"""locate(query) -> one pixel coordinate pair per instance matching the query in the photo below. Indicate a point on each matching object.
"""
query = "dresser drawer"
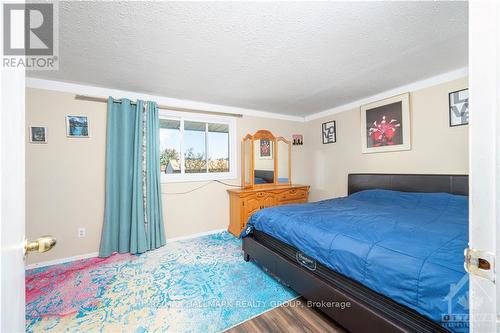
(293, 194)
(291, 202)
(245, 202)
(260, 194)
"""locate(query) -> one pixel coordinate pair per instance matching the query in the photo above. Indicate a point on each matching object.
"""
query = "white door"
(484, 133)
(12, 148)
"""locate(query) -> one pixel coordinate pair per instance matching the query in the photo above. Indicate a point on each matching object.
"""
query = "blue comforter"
(407, 246)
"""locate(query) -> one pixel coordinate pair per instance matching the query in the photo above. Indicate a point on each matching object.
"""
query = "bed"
(392, 249)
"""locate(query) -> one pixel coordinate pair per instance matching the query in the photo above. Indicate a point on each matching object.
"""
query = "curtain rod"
(162, 107)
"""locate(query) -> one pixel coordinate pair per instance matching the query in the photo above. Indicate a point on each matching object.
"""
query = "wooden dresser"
(244, 202)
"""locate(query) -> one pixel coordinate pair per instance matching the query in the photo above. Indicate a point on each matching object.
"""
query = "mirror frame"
(264, 134)
(276, 174)
(247, 137)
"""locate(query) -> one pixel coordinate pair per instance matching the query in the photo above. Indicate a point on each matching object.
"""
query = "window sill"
(199, 177)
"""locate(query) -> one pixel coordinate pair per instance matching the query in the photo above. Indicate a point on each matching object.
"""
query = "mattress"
(406, 246)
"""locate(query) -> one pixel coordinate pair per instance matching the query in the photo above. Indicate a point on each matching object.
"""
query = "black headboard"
(267, 175)
(454, 184)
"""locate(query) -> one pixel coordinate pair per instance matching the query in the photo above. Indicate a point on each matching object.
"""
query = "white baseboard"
(200, 234)
(95, 254)
(62, 260)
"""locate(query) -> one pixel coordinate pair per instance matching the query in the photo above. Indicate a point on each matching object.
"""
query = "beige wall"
(436, 147)
(65, 178)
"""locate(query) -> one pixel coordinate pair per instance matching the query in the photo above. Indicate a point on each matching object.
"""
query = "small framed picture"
(297, 140)
(77, 126)
(329, 130)
(38, 134)
(385, 125)
(459, 107)
(265, 149)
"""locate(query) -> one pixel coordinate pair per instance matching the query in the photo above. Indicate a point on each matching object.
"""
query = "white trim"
(199, 234)
(95, 254)
(99, 91)
(12, 196)
(62, 260)
(484, 160)
(82, 89)
(429, 82)
(197, 177)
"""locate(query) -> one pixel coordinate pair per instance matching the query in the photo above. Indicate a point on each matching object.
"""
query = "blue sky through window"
(218, 145)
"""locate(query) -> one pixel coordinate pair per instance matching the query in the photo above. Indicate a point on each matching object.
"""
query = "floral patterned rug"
(196, 285)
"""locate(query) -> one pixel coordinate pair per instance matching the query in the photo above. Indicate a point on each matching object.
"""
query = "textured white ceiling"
(294, 58)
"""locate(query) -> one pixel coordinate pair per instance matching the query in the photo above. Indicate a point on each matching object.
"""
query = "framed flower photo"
(385, 125)
(77, 126)
(265, 149)
(38, 134)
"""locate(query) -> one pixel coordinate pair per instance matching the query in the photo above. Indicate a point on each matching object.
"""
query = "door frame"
(12, 200)
(12, 194)
(484, 159)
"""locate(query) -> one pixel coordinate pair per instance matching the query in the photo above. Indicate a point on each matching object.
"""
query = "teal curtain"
(133, 219)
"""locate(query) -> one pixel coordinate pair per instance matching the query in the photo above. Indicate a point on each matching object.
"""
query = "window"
(218, 150)
(196, 147)
(170, 145)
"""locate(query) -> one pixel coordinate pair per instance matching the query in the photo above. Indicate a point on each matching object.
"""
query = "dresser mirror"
(266, 160)
(283, 170)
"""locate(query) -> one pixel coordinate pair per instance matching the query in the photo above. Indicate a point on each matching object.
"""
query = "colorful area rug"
(196, 285)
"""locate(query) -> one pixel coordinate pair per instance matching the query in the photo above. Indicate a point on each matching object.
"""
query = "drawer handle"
(293, 191)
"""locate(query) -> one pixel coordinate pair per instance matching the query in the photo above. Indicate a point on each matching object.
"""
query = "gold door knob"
(42, 244)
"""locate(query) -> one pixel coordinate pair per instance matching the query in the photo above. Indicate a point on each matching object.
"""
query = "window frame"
(192, 177)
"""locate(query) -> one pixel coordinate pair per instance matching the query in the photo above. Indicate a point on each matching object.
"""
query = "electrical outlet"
(82, 232)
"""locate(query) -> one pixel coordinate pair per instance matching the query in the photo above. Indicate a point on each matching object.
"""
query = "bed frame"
(369, 311)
